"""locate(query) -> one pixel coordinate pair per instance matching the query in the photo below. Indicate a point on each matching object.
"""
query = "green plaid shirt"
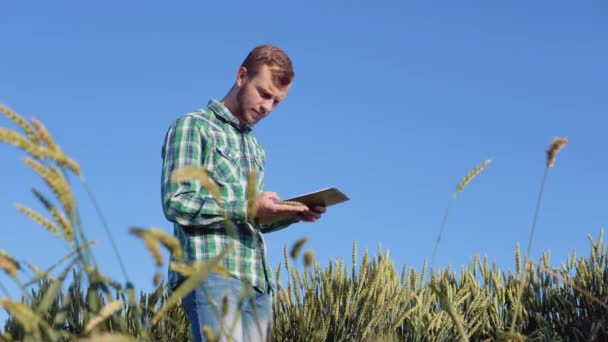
(211, 138)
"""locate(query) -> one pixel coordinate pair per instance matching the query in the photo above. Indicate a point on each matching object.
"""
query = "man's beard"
(240, 108)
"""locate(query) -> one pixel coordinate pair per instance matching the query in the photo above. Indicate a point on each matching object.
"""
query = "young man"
(218, 138)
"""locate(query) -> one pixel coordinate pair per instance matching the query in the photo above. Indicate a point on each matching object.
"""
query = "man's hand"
(312, 214)
(266, 206)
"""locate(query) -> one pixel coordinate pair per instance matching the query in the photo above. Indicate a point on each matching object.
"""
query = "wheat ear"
(11, 137)
(556, 145)
(38, 218)
(21, 122)
(8, 264)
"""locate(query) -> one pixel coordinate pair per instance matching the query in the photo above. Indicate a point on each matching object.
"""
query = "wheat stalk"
(556, 145)
(461, 185)
(188, 270)
(40, 273)
(184, 269)
(106, 228)
(77, 250)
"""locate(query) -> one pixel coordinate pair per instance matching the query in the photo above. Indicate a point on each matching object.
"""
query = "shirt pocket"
(227, 165)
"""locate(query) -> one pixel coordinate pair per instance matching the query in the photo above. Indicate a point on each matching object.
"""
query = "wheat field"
(368, 300)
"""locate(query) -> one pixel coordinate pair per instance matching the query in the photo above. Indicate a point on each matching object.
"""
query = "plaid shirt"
(211, 138)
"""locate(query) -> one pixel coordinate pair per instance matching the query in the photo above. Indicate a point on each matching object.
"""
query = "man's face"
(257, 96)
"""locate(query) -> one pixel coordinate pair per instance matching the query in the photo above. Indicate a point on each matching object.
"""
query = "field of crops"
(368, 300)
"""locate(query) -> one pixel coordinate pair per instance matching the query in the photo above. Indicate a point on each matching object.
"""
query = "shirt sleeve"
(273, 227)
(187, 202)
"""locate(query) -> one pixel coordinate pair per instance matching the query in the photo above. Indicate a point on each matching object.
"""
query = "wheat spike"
(64, 191)
(309, 258)
(13, 138)
(517, 259)
(291, 203)
(56, 182)
(64, 223)
(62, 159)
(252, 192)
(104, 314)
(28, 319)
(469, 177)
(8, 264)
(58, 216)
(38, 218)
(21, 122)
(209, 334)
(153, 248)
(170, 242)
(44, 134)
(286, 258)
(52, 150)
(556, 145)
(295, 250)
(151, 243)
(200, 175)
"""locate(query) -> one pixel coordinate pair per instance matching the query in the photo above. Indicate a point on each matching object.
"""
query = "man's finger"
(320, 209)
(291, 208)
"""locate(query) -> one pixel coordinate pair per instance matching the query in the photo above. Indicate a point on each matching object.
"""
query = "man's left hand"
(312, 214)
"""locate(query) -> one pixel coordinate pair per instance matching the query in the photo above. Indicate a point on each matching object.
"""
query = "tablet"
(326, 197)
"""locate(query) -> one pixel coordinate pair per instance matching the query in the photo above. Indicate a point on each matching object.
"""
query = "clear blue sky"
(393, 103)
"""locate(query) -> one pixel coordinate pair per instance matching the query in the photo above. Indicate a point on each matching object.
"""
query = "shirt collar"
(222, 112)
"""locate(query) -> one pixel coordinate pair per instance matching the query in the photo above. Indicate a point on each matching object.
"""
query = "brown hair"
(281, 67)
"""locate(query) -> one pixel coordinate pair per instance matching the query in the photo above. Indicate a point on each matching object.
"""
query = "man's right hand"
(266, 206)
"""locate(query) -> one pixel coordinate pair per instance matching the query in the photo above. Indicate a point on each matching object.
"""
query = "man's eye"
(264, 94)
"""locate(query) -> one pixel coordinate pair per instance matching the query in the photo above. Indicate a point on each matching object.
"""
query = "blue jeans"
(248, 316)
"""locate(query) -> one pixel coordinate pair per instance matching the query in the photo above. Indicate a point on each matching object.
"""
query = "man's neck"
(229, 101)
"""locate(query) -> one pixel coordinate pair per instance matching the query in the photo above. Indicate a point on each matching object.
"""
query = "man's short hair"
(280, 64)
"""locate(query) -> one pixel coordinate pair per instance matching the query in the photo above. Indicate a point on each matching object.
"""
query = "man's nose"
(266, 106)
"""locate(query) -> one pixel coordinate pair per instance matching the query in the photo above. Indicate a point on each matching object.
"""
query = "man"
(218, 138)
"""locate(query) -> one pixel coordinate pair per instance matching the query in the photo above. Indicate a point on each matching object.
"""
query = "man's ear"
(241, 76)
